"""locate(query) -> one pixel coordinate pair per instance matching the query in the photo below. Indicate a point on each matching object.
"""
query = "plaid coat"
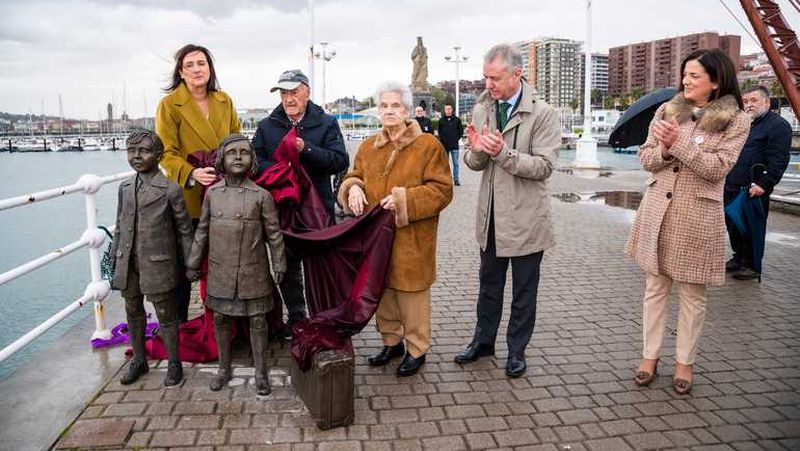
(679, 230)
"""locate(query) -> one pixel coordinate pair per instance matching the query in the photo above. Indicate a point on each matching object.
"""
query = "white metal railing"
(93, 237)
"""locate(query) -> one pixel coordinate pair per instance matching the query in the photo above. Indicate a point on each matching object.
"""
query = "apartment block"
(656, 64)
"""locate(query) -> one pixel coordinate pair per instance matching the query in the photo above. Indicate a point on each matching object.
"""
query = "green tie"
(502, 120)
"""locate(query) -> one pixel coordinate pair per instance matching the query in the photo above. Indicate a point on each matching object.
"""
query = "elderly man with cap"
(322, 154)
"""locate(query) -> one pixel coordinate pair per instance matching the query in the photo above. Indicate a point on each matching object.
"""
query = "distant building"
(250, 117)
(528, 51)
(656, 64)
(467, 102)
(556, 67)
(468, 91)
(756, 69)
(599, 78)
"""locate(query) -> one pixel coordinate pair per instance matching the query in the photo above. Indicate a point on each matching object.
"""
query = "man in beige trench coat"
(513, 140)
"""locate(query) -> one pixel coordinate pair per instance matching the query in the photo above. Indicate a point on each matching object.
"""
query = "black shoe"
(134, 372)
(219, 381)
(410, 365)
(473, 352)
(174, 374)
(732, 265)
(262, 386)
(456, 183)
(516, 366)
(387, 353)
(745, 273)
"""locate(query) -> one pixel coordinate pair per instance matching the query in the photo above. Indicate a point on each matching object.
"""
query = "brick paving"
(577, 393)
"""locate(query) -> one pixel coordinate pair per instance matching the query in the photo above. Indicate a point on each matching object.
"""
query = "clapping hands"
(490, 143)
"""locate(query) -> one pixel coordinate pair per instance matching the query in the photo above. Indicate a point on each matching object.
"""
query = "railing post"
(97, 289)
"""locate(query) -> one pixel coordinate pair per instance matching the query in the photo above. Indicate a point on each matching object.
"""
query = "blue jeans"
(454, 156)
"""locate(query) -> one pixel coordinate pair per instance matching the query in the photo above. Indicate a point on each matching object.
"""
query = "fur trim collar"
(714, 117)
(407, 136)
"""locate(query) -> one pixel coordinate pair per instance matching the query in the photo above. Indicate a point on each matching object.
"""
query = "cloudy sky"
(93, 51)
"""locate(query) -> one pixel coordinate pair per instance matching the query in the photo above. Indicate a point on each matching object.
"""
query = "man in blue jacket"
(760, 167)
(322, 154)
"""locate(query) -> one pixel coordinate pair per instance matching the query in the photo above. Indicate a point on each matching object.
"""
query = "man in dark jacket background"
(424, 123)
(760, 167)
(450, 131)
(322, 154)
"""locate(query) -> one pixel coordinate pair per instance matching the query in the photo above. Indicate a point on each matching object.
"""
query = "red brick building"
(656, 64)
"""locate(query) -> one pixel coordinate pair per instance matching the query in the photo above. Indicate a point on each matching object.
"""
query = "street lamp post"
(457, 60)
(586, 150)
(325, 55)
(311, 47)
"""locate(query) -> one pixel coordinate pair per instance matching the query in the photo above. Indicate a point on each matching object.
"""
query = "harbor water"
(35, 230)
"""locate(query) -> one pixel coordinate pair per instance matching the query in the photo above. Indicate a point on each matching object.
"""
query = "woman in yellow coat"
(194, 116)
(404, 170)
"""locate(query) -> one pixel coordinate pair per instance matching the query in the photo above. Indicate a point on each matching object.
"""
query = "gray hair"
(760, 88)
(509, 54)
(400, 88)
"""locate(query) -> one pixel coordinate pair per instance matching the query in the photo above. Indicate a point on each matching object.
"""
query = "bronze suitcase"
(327, 388)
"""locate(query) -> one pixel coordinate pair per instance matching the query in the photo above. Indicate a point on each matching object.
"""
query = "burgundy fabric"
(345, 265)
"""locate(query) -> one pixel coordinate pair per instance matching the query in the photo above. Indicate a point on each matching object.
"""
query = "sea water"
(34, 230)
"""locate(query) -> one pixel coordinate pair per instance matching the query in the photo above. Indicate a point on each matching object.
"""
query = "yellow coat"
(182, 127)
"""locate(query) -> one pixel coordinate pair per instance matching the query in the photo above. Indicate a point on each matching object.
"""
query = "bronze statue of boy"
(237, 223)
(153, 237)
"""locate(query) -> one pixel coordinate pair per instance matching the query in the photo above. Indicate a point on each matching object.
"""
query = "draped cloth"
(345, 265)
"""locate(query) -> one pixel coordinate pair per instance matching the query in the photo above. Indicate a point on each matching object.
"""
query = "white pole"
(325, 58)
(97, 289)
(311, 49)
(9, 350)
(586, 150)
(458, 99)
(587, 74)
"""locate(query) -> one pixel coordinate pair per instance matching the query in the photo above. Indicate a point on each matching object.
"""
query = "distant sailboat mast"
(60, 116)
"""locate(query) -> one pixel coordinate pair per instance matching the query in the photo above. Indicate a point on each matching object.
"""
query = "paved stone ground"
(577, 394)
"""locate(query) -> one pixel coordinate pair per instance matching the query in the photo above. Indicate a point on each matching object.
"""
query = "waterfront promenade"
(578, 392)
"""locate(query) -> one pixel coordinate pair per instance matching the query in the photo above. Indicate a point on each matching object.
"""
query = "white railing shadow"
(93, 237)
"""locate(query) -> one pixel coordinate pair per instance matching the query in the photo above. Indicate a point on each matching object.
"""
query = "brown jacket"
(415, 170)
(679, 230)
(516, 179)
(236, 225)
(183, 129)
(157, 228)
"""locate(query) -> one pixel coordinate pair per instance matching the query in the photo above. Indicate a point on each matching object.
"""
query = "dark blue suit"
(324, 155)
(767, 144)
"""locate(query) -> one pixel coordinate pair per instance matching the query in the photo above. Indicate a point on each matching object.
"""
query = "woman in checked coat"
(679, 231)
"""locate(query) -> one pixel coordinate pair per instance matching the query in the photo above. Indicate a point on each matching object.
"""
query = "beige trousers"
(691, 315)
(406, 314)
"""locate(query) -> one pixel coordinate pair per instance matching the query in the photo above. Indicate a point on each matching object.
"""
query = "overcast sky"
(88, 50)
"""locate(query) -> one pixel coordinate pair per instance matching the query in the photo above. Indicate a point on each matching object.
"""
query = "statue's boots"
(222, 332)
(138, 365)
(169, 333)
(258, 343)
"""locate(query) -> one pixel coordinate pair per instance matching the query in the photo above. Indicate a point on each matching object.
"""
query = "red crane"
(779, 42)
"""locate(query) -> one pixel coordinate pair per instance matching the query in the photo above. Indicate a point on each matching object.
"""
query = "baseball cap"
(290, 79)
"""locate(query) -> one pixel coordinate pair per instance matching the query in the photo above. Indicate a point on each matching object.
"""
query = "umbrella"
(632, 127)
(748, 216)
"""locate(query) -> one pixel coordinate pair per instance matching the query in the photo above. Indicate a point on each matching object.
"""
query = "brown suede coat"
(415, 170)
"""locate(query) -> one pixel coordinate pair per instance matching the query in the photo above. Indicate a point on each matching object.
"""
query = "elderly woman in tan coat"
(679, 231)
(404, 170)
